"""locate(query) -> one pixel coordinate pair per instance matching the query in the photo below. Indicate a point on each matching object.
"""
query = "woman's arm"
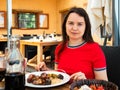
(56, 67)
(101, 75)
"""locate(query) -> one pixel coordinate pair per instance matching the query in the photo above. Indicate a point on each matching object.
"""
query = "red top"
(83, 58)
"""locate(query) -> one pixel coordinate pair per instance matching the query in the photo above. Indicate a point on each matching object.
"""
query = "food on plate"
(85, 87)
(44, 79)
(93, 84)
(91, 87)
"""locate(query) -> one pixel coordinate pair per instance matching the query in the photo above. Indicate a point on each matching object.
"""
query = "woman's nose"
(74, 27)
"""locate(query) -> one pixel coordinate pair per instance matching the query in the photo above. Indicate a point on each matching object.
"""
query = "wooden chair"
(112, 54)
(48, 51)
(30, 51)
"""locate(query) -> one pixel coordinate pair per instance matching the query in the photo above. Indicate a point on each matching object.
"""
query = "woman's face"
(75, 26)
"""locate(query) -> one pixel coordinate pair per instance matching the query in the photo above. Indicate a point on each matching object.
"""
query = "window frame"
(36, 26)
(46, 25)
(37, 15)
(4, 20)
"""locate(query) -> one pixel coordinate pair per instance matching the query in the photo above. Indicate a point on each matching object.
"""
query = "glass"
(15, 66)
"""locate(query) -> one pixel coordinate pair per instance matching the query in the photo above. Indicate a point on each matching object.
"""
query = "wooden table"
(39, 45)
(3, 39)
(62, 87)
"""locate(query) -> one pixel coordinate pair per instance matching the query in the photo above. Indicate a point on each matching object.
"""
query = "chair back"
(112, 54)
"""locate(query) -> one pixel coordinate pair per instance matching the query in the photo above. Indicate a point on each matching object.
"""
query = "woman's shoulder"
(93, 45)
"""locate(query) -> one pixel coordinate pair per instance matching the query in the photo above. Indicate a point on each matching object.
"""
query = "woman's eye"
(79, 24)
(71, 23)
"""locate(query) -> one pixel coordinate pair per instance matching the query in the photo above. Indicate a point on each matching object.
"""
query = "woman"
(78, 55)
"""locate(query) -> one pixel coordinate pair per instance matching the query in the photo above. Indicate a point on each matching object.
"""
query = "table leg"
(22, 49)
(39, 54)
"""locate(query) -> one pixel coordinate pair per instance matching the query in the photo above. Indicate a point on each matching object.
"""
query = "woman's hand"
(41, 67)
(77, 76)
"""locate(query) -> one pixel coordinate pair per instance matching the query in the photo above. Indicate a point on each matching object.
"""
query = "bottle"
(44, 35)
(2, 72)
(15, 66)
(54, 34)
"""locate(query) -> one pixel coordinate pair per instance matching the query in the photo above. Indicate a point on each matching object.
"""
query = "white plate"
(65, 79)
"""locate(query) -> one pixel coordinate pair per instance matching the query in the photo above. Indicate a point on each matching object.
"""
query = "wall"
(49, 8)
(67, 4)
(52, 7)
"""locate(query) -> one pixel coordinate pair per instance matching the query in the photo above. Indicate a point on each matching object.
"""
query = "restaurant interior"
(31, 19)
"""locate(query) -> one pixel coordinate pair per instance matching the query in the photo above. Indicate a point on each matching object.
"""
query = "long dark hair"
(87, 35)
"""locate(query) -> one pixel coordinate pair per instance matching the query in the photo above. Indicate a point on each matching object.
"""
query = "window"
(43, 21)
(23, 19)
(27, 20)
(2, 19)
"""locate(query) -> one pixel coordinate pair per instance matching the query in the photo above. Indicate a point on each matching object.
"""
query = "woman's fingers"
(40, 66)
(78, 76)
(81, 77)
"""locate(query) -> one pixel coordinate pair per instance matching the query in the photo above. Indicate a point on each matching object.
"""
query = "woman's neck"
(75, 42)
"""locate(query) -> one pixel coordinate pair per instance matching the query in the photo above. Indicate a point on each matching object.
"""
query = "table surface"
(4, 39)
(62, 87)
